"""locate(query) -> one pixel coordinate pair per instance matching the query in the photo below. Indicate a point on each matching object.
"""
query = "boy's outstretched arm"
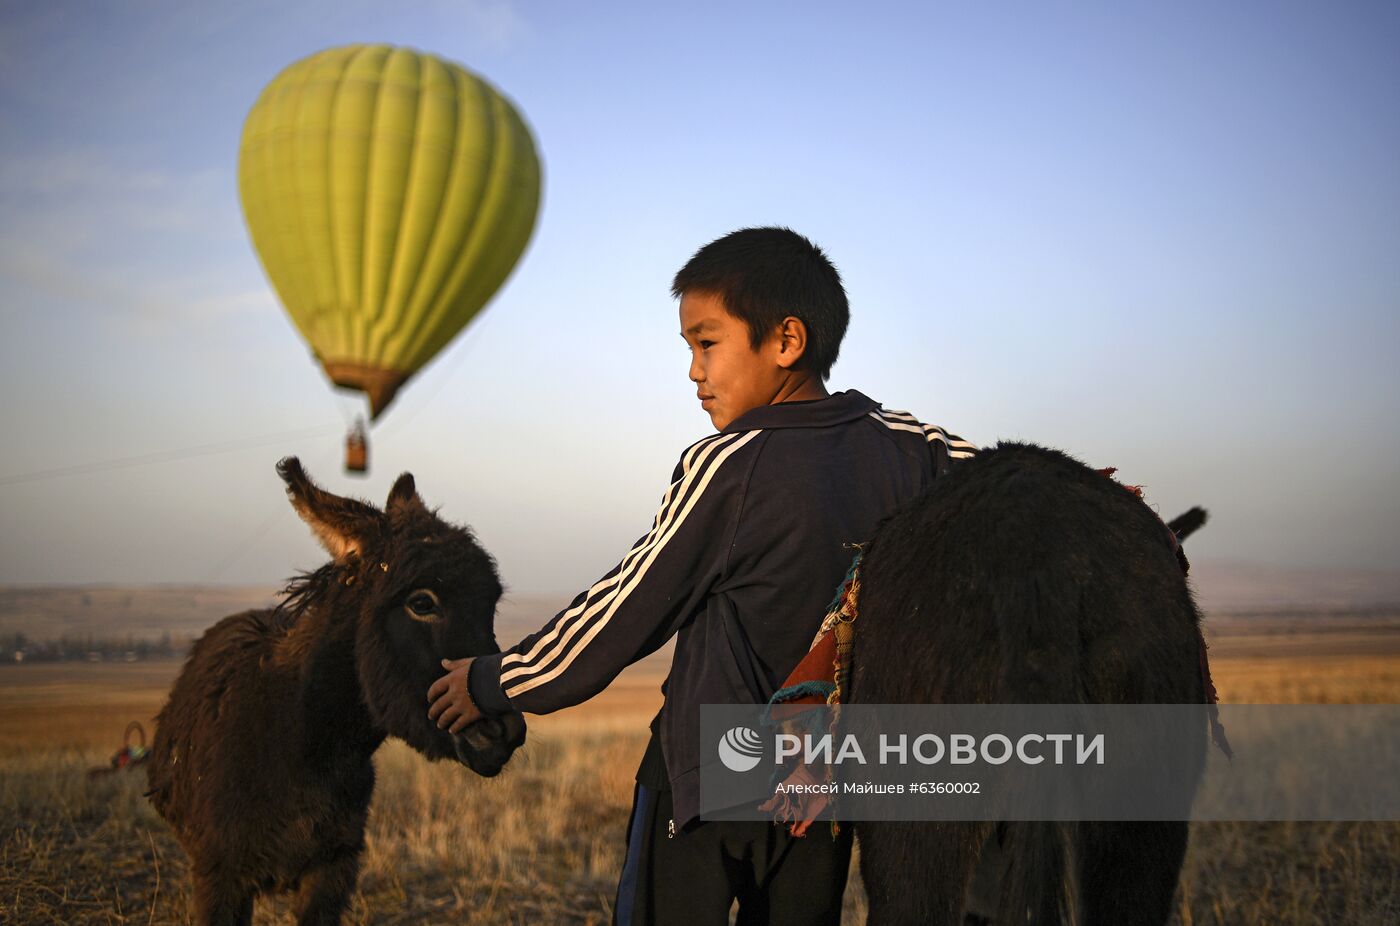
(630, 612)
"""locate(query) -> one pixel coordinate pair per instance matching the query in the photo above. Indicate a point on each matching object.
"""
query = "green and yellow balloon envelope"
(389, 193)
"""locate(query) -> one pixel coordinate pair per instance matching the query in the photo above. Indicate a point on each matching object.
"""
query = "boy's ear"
(792, 341)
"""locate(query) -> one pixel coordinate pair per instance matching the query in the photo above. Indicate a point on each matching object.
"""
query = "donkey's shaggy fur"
(1025, 577)
(262, 755)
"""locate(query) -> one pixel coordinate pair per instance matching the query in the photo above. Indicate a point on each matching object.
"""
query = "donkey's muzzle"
(486, 745)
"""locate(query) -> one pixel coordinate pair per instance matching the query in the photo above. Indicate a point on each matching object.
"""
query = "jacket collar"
(837, 408)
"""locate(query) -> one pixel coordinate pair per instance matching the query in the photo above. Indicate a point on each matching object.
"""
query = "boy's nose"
(696, 372)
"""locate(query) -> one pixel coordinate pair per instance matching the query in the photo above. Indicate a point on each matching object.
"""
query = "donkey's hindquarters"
(1024, 577)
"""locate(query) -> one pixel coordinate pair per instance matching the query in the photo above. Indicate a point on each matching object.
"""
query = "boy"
(739, 564)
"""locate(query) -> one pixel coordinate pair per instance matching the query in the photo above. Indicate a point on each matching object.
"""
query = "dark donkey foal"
(262, 755)
(1024, 577)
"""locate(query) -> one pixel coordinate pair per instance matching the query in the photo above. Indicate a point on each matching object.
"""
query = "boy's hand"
(451, 700)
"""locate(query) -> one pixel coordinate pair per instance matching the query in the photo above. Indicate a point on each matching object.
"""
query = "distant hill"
(46, 613)
(144, 612)
(185, 611)
(1224, 586)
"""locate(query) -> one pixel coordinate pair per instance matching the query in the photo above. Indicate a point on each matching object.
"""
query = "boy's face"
(730, 376)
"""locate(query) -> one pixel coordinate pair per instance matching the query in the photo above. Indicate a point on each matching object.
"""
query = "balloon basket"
(357, 450)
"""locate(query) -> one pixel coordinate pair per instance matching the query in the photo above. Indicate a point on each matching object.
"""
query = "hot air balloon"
(389, 193)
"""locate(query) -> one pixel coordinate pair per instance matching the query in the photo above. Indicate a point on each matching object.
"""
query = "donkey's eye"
(422, 604)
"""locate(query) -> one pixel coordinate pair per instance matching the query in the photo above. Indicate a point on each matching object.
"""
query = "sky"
(1161, 237)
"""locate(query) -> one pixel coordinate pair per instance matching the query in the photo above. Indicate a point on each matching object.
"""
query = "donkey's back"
(229, 699)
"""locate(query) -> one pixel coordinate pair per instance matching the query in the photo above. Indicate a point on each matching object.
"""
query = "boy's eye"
(706, 345)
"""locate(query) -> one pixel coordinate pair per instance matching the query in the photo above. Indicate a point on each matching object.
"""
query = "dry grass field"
(542, 842)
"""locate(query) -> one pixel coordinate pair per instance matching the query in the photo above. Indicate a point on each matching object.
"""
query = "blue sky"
(1160, 236)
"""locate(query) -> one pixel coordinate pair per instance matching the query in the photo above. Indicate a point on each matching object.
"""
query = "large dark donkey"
(1025, 577)
(261, 762)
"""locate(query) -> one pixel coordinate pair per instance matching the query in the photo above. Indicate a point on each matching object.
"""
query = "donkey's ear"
(403, 494)
(341, 524)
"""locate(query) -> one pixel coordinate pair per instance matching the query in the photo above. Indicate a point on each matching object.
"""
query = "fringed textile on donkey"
(819, 680)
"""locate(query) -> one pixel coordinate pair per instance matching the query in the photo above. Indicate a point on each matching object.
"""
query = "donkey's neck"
(336, 720)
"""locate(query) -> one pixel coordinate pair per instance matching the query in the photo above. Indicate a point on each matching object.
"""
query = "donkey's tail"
(1037, 623)
(1036, 887)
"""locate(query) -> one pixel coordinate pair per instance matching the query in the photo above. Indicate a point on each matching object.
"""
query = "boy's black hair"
(765, 274)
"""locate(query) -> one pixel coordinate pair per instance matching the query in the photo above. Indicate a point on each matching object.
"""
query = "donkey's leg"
(1128, 871)
(918, 872)
(325, 892)
(219, 903)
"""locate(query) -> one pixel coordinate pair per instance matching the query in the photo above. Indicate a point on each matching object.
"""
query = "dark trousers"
(691, 878)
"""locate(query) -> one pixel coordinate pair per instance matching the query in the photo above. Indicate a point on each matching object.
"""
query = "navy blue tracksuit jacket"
(741, 560)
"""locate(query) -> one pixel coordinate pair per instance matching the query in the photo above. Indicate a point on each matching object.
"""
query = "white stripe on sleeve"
(958, 448)
(706, 473)
(514, 664)
(699, 465)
